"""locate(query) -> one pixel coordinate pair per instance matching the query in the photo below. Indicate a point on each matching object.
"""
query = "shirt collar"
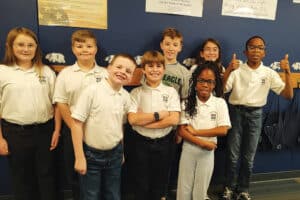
(17, 67)
(159, 87)
(209, 102)
(109, 89)
(95, 69)
(250, 69)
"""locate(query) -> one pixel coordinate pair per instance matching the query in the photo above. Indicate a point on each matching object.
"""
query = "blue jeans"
(242, 142)
(103, 177)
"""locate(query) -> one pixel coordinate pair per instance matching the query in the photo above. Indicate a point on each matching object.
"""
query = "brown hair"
(172, 33)
(151, 57)
(124, 55)
(9, 57)
(81, 35)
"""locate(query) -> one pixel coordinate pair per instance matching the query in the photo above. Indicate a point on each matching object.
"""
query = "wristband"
(156, 116)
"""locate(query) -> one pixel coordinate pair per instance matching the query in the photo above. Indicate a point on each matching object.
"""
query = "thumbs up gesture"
(234, 63)
(284, 64)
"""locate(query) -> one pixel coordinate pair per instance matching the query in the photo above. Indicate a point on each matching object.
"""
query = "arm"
(3, 143)
(217, 131)
(65, 113)
(185, 134)
(287, 92)
(171, 120)
(233, 65)
(57, 128)
(77, 138)
(142, 119)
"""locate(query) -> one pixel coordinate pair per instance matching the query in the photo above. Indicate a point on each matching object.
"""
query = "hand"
(209, 145)
(123, 159)
(190, 129)
(177, 137)
(284, 63)
(80, 166)
(54, 140)
(234, 63)
(3, 147)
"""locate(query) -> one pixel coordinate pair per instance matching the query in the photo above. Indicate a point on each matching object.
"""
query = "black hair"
(254, 37)
(191, 101)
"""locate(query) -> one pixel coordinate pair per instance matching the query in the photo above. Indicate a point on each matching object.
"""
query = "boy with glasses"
(249, 84)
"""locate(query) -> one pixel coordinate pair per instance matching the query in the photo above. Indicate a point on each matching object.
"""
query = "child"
(176, 75)
(203, 118)
(249, 85)
(155, 109)
(69, 85)
(210, 50)
(27, 132)
(97, 131)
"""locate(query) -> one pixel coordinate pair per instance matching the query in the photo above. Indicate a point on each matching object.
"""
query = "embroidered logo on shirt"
(42, 79)
(213, 116)
(98, 78)
(165, 97)
(263, 81)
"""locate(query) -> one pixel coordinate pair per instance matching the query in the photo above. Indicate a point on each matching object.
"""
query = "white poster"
(177, 7)
(258, 9)
(296, 1)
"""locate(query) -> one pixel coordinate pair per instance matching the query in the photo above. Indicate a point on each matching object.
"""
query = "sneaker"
(228, 194)
(243, 196)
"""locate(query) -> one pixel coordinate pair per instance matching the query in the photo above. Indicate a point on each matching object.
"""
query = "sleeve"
(229, 82)
(186, 83)
(174, 101)
(52, 78)
(183, 116)
(134, 104)
(223, 114)
(83, 106)
(277, 85)
(60, 94)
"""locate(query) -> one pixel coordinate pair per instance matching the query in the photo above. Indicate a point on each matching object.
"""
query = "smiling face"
(24, 49)
(154, 73)
(210, 52)
(85, 51)
(120, 71)
(206, 82)
(171, 48)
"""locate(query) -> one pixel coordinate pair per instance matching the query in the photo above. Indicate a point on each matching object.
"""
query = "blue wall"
(132, 30)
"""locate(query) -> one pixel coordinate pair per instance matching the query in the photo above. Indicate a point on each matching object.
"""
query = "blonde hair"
(81, 35)
(151, 57)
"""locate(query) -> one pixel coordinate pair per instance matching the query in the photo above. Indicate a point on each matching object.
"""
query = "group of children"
(172, 103)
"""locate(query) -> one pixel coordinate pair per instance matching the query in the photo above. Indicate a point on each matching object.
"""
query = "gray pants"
(195, 172)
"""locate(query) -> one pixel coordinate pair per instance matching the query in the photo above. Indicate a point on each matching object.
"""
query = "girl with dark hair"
(204, 116)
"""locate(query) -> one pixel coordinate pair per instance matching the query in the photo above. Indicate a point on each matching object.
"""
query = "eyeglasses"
(30, 46)
(253, 47)
(208, 81)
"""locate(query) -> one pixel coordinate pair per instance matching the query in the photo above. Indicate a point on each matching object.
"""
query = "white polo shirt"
(250, 87)
(72, 80)
(152, 100)
(26, 98)
(103, 110)
(211, 114)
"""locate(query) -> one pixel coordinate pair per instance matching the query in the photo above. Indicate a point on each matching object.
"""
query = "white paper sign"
(259, 9)
(178, 7)
(296, 1)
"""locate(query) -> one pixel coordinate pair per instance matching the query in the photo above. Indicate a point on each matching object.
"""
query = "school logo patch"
(42, 79)
(98, 78)
(263, 81)
(213, 116)
(165, 98)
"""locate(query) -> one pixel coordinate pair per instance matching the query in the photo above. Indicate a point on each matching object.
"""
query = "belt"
(169, 136)
(248, 108)
(26, 126)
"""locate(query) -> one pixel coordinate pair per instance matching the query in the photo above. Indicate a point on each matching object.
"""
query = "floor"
(278, 189)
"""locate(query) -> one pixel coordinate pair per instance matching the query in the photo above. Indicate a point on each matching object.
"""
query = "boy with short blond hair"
(69, 84)
(155, 110)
